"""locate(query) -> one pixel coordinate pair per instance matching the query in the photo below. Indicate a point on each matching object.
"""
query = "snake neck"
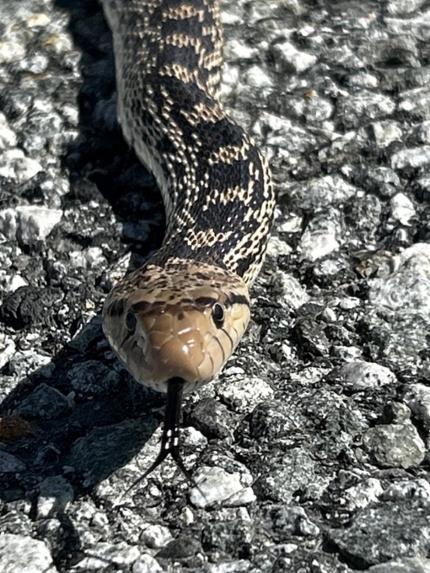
(215, 183)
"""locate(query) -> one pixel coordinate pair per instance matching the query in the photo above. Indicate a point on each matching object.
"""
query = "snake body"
(181, 315)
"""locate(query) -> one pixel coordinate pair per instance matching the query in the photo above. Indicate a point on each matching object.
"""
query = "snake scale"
(175, 321)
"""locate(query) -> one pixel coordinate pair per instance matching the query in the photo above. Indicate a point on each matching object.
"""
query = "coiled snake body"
(175, 321)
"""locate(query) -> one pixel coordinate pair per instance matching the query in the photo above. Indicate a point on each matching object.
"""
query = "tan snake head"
(181, 320)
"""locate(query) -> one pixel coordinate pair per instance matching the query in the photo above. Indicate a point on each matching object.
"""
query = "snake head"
(183, 319)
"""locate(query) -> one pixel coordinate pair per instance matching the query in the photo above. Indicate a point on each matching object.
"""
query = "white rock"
(21, 554)
(15, 165)
(37, 20)
(297, 59)
(7, 349)
(416, 101)
(277, 247)
(34, 223)
(349, 303)
(293, 293)
(236, 566)
(396, 7)
(231, 14)
(120, 554)
(416, 26)
(235, 50)
(385, 132)
(11, 51)
(35, 64)
(244, 393)
(156, 536)
(317, 242)
(402, 209)
(408, 489)
(147, 564)
(423, 132)
(413, 157)
(7, 136)
(8, 223)
(323, 191)
(407, 287)
(365, 104)
(292, 224)
(361, 495)
(256, 77)
(363, 80)
(361, 375)
(15, 282)
(216, 485)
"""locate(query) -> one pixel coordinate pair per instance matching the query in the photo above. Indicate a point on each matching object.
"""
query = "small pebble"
(293, 58)
(15, 165)
(319, 239)
(21, 554)
(402, 209)
(244, 393)
(413, 157)
(361, 375)
(395, 445)
(216, 485)
(156, 536)
(120, 554)
(146, 564)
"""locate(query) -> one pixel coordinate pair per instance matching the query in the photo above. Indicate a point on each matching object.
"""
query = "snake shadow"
(86, 417)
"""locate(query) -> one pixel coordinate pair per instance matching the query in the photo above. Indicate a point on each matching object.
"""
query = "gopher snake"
(175, 321)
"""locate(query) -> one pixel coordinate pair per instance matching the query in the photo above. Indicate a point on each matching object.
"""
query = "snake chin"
(181, 320)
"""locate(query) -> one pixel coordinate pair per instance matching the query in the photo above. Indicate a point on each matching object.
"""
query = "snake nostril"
(131, 321)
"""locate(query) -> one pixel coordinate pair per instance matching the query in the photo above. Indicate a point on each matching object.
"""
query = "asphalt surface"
(312, 450)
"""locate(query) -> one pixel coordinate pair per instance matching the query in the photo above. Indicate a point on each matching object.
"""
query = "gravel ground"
(312, 449)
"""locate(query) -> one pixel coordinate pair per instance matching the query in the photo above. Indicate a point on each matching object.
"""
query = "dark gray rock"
(103, 449)
(10, 464)
(406, 533)
(180, 548)
(93, 378)
(212, 418)
(28, 306)
(44, 402)
(395, 445)
(287, 476)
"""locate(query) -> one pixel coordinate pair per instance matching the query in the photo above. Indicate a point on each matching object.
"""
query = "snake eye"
(218, 314)
(131, 321)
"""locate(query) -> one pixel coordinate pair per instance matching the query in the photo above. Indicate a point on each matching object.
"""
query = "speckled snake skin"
(183, 313)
